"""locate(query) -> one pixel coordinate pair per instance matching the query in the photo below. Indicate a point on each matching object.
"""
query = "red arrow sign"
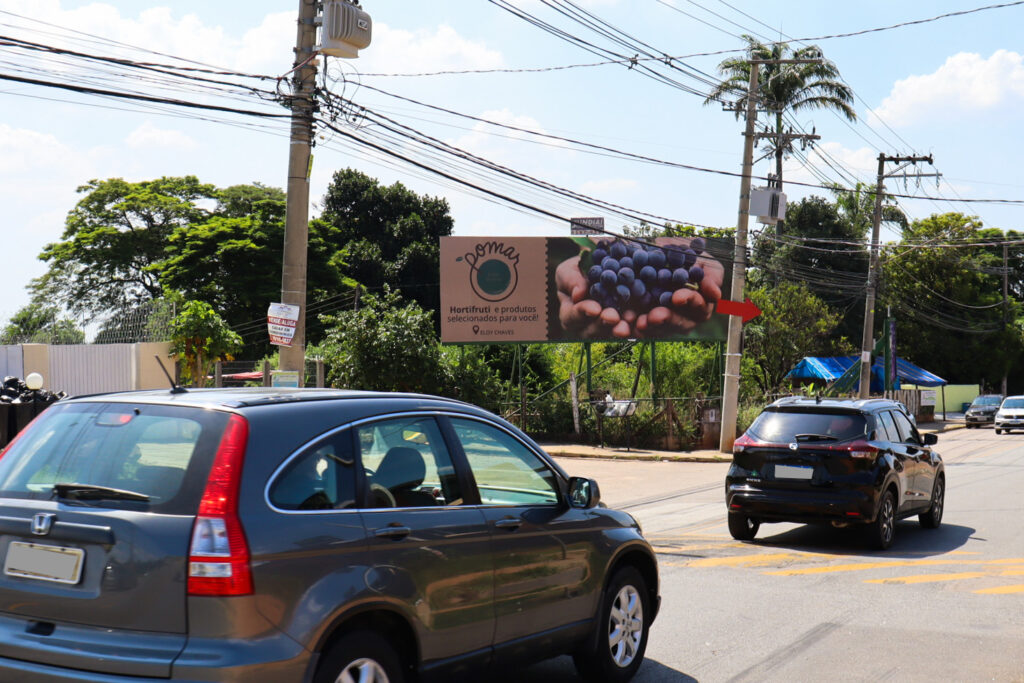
(748, 310)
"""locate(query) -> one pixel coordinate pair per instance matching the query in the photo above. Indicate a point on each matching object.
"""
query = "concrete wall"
(93, 368)
(956, 396)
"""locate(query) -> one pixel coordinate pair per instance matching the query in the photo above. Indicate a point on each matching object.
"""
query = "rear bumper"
(979, 419)
(826, 505)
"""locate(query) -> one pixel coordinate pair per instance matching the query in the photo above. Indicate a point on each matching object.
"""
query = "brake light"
(741, 443)
(862, 449)
(218, 562)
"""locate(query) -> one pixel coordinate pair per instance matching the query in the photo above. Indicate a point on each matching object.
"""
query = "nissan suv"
(837, 461)
(305, 535)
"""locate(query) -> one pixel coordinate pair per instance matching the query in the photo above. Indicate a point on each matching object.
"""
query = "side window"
(889, 427)
(908, 433)
(320, 478)
(506, 471)
(407, 464)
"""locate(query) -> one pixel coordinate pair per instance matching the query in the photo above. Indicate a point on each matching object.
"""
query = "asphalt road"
(812, 603)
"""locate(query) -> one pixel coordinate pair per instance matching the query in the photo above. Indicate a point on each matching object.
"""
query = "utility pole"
(296, 231)
(731, 385)
(868, 338)
(1006, 302)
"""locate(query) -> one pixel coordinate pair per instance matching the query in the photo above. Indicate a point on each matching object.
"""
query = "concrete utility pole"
(296, 231)
(868, 338)
(1006, 303)
(731, 388)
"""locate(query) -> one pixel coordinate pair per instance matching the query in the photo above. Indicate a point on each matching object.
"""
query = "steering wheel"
(380, 493)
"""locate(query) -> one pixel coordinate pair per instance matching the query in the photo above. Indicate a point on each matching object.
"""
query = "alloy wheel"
(888, 520)
(363, 671)
(626, 626)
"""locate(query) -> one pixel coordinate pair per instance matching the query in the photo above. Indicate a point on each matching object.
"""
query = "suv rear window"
(162, 452)
(779, 426)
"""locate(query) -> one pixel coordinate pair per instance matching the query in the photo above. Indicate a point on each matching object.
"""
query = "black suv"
(983, 410)
(837, 461)
(305, 535)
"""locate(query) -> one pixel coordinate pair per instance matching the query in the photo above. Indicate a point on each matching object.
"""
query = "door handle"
(393, 531)
(510, 523)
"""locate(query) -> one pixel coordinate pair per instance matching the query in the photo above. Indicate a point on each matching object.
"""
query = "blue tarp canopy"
(830, 368)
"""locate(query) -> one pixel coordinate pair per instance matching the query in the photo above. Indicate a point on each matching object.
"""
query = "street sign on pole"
(281, 322)
(586, 226)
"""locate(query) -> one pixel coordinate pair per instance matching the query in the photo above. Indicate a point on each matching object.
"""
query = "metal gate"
(11, 361)
(92, 368)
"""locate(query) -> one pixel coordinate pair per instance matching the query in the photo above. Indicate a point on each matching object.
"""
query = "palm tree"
(858, 206)
(793, 87)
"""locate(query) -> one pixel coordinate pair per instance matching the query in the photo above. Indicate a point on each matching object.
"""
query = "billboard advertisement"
(583, 288)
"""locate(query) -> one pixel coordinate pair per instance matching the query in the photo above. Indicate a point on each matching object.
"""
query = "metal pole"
(296, 231)
(867, 339)
(654, 376)
(731, 389)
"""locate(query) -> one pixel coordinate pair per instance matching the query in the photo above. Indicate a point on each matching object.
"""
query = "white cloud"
(148, 136)
(966, 82)
(860, 162)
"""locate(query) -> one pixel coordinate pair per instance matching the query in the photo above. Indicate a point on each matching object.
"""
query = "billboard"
(583, 288)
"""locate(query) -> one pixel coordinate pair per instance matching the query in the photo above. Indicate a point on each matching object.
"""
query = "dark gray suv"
(305, 535)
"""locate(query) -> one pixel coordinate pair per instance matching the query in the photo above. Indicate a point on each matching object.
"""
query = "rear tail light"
(218, 562)
(862, 449)
(740, 444)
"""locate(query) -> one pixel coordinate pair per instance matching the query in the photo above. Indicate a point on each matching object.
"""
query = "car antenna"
(175, 388)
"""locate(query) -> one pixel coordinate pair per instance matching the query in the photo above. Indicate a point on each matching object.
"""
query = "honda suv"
(837, 461)
(305, 535)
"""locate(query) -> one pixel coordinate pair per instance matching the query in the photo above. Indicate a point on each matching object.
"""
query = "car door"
(431, 554)
(905, 463)
(545, 581)
(924, 469)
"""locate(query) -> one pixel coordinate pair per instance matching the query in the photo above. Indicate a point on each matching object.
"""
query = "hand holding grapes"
(639, 290)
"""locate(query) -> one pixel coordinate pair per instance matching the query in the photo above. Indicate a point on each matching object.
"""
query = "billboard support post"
(654, 376)
(590, 367)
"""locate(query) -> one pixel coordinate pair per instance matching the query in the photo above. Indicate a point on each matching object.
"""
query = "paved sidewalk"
(953, 421)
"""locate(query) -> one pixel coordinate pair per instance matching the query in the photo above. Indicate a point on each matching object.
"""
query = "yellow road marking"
(862, 566)
(929, 578)
(744, 560)
(1001, 590)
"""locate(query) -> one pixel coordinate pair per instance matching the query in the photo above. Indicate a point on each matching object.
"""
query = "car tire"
(361, 656)
(742, 528)
(933, 518)
(998, 430)
(882, 531)
(616, 649)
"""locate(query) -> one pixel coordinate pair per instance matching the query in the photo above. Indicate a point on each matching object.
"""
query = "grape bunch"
(631, 276)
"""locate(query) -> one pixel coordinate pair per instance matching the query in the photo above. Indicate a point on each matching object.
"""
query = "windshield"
(151, 456)
(1013, 403)
(785, 427)
(987, 401)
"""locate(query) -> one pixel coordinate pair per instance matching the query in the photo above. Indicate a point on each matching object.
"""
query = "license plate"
(793, 472)
(44, 562)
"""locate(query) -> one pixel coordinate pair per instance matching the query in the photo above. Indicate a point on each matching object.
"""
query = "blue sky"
(951, 88)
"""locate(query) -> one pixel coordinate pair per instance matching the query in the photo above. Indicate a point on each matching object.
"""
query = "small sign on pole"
(281, 322)
(285, 378)
(586, 226)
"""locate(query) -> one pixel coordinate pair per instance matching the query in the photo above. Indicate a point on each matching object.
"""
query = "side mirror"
(930, 439)
(584, 493)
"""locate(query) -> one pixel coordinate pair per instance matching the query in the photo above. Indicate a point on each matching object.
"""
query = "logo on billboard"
(493, 270)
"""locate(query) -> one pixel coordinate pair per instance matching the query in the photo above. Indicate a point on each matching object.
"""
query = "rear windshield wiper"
(91, 492)
(815, 437)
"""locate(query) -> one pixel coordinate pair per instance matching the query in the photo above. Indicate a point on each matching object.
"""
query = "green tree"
(200, 336)
(793, 323)
(387, 234)
(113, 241)
(858, 207)
(948, 301)
(37, 323)
(385, 345)
(784, 87)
